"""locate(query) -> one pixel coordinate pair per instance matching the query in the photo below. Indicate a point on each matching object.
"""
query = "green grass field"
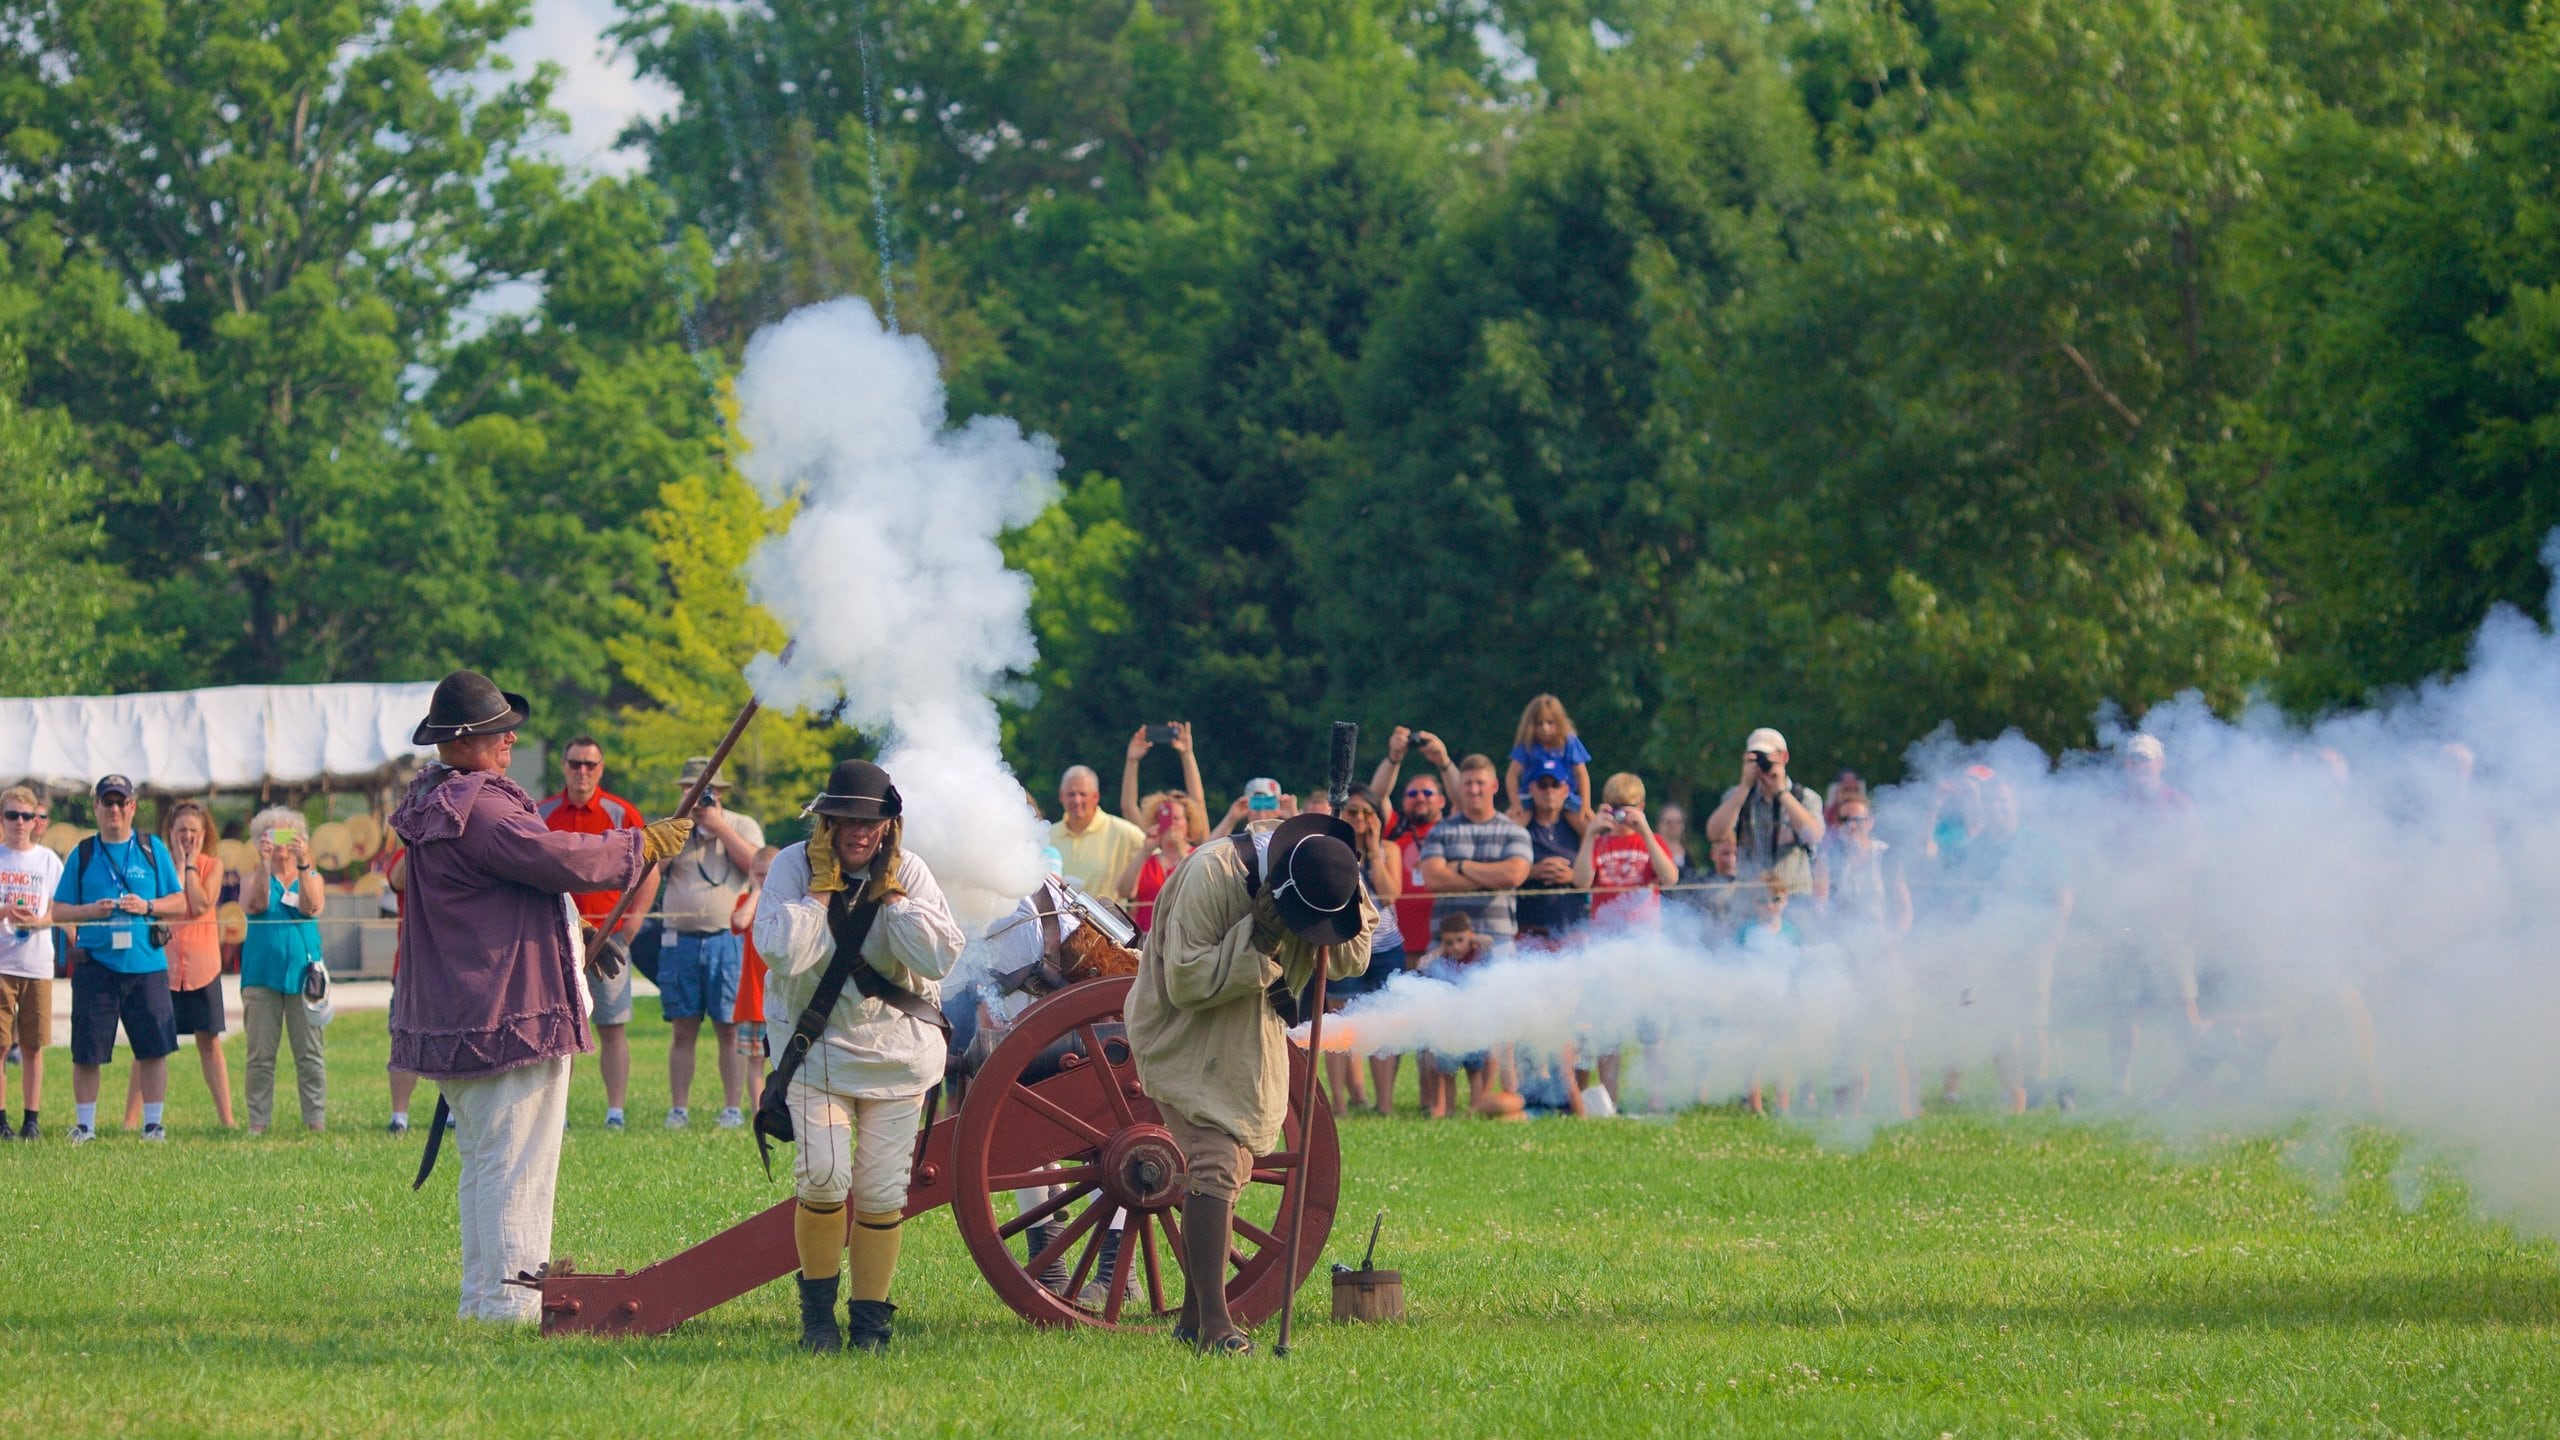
(1711, 1275)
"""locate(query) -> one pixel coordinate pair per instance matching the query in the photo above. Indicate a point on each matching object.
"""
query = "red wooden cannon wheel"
(1092, 1129)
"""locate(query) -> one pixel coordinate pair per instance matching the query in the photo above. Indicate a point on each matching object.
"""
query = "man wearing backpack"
(1774, 822)
(118, 887)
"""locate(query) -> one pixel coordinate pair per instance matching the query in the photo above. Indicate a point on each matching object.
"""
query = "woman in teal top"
(282, 900)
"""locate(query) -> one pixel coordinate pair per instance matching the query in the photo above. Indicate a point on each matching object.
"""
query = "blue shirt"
(95, 871)
(279, 943)
(1537, 760)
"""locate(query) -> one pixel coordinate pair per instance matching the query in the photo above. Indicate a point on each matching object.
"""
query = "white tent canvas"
(237, 737)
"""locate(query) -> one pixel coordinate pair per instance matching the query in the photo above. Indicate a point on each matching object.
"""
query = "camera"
(1761, 759)
(1162, 734)
(1262, 794)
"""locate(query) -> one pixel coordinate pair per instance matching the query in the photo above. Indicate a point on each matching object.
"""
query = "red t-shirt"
(1151, 878)
(606, 813)
(1413, 908)
(1623, 890)
(750, 1009)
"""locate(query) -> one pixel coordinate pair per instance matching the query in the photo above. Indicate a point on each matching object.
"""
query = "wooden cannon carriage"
(1056, 1103)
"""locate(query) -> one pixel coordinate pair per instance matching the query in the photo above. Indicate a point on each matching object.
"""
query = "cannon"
(1056, 1103)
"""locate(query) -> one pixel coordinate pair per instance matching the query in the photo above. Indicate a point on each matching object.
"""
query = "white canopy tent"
(237, 737)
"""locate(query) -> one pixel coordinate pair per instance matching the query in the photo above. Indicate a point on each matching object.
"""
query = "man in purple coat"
(490, 1001)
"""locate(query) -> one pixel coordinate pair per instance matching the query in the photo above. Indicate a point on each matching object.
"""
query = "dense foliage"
(1854, 367)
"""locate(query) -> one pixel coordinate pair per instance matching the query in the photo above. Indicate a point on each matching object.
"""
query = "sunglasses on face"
(1855, 820)
(1422, 794)
(19, 815)
(115, 802)
(583, 764)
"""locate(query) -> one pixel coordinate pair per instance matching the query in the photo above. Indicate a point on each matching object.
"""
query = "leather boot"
(868, 1324)
(1054, 1277)
(818, 1333)
(1208, 1226)
(1097, 1287)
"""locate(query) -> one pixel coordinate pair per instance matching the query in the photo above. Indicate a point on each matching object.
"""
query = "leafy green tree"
(2402, 451)
(238, 223)
(1957, 436)
(1525, 506)
(57, 604)
(688, 657)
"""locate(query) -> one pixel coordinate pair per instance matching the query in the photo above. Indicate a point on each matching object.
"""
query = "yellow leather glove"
(663, 838)
(884, 891)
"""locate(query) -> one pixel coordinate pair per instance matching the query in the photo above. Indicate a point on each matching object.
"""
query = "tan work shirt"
(1208, 1046)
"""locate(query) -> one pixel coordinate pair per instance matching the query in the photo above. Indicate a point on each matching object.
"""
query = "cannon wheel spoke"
(1043, 1210)
(1058, 1244)
(1114, 1077)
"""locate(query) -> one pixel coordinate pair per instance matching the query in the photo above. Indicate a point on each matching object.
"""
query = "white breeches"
(856, 1146)
(508, 1130)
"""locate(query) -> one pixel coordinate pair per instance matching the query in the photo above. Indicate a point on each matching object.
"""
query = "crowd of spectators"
(1469, 859)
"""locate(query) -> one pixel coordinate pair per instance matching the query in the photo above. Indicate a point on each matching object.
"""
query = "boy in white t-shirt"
(28, 874)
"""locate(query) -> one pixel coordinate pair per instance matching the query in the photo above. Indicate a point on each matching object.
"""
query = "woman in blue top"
(282, 899)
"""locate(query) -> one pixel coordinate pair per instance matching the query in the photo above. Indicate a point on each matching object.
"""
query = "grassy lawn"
(1715, 1274)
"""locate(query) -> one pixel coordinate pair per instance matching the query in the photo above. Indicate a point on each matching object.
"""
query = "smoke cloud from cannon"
(2363, 908)
(889, 579)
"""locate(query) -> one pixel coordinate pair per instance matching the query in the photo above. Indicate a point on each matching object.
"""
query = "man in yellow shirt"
(1094, 848)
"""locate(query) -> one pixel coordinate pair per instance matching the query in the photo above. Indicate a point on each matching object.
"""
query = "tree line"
(1854, 366)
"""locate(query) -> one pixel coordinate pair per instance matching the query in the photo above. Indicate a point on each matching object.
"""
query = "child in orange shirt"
(749, 1013)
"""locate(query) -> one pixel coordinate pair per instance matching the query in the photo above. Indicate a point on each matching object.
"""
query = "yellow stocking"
(875, 1253)
(819, 1232)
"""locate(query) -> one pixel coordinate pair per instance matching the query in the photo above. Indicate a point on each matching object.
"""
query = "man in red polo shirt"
(585, 807)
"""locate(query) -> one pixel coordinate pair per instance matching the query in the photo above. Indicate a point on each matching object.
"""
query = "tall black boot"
(1208, 1225)
(818, 1332)
(869, 1324)
(1054, 1276)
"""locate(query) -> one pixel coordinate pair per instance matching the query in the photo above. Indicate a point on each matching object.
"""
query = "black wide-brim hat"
(858, 790)
(468, 703)
(1313, 878)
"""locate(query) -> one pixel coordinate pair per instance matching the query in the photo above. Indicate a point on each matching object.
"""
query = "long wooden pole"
(684, 810)
(1306, 1150)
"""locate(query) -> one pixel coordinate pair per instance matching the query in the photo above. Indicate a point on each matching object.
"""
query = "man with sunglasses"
(115, 887)
(28, 874)
(1419, 806)
(584, 807)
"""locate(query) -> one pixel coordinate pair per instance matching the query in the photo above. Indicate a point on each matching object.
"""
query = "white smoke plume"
(2361, 910)
(890, 582)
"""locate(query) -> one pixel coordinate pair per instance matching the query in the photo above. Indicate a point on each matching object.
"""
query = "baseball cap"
(1546, 777)
(2146, 746)
(1767, 739)
(114, 785)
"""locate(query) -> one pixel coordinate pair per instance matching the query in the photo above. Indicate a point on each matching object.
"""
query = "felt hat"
(693, 769)
(858, 790)
(1313, 879)
(468, 703)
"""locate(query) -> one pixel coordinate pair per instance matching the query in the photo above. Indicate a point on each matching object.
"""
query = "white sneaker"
(678, 1118)
(731, 1118)
(83, 1134)
(155, 1133)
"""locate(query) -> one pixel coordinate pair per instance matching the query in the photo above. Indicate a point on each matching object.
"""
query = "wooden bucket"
(1362, 1296)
